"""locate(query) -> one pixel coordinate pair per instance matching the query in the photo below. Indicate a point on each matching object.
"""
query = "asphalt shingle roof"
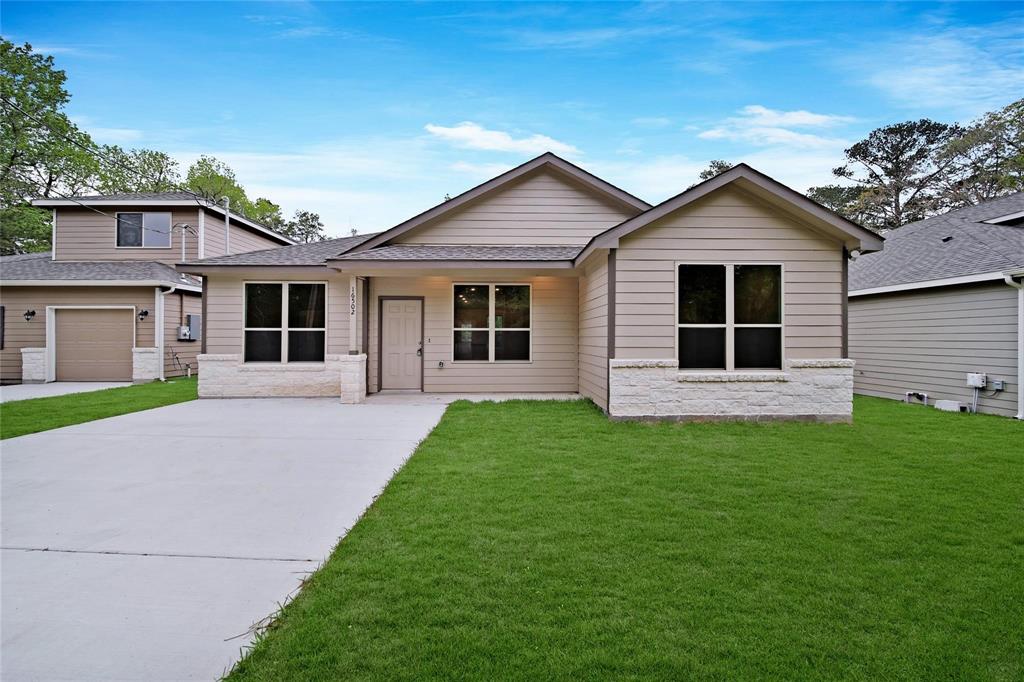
(137, 196)
(314, 253)
(39, 266)
(448, 252)
(955, 244)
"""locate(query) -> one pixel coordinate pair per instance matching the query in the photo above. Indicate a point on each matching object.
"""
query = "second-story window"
(149, 230)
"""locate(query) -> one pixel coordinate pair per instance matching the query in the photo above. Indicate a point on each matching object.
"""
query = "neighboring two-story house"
(725, 301)
(106, 304)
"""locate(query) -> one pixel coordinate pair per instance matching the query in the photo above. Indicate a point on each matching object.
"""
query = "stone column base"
(810, 390)
(145, 365)
(33, 365)
(224, 375)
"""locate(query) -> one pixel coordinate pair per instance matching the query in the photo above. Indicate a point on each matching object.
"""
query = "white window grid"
(490, 328)
(284, 328)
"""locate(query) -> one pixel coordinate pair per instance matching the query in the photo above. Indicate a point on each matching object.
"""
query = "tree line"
(44, 154)
(909, 171)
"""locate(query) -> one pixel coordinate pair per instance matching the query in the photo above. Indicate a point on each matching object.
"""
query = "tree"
(213, 180)
(305, 227)
(135, 170)
(987, 161)
(715, 167)
(268, 213)
(901, 170)
(42, 153)
(848, 201)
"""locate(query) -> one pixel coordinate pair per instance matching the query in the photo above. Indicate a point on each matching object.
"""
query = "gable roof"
(38, 269)
(546, 160)
(960, 244)
(761, 186)
(160, 199)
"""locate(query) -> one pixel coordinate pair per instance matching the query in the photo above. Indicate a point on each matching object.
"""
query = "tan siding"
(178, 354)
(540, 209)
(554, 315)
(20, 334)
(85, 235)
(593, 332)
(224, 306)
(928, 340)
(243, 239)
(727, 226)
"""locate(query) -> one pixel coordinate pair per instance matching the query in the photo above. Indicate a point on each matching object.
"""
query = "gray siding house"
(944, 299)
(725, 301)
(106, 303)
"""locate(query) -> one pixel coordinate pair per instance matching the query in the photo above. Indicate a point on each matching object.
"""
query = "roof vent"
(946, 239)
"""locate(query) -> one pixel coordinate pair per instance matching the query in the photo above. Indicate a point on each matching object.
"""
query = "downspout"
(160, 332)
(227, 226)
(1019, 286)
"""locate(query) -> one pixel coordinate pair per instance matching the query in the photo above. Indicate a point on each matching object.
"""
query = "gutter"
(1019, 286)
(96, 283)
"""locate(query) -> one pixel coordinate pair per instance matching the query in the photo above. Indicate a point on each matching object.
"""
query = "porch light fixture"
(143, 314)
(29, 314)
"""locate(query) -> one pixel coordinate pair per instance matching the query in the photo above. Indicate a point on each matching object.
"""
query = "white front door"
(401, 345)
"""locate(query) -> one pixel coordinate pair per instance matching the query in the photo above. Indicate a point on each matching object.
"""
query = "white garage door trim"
(51, 331)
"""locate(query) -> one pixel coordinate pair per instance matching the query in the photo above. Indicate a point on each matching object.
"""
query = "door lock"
(419, 351)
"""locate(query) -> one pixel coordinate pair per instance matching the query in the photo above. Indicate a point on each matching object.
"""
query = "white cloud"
(469, 135)
(965, 70)
(760, 126)
(800, 118)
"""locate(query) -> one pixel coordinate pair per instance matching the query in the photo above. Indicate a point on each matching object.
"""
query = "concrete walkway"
(26, 391)
(145, 546)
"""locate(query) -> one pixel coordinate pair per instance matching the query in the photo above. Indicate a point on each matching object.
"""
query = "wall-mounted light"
(29, 314)
(143, 314)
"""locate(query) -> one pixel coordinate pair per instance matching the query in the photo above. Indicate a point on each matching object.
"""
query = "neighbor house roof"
(546, 160)
(161, 199)
(315, 253)
(39, 269)
(956, 245)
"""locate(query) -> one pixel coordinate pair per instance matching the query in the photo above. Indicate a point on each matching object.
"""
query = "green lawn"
(538, 540)
(42, 414)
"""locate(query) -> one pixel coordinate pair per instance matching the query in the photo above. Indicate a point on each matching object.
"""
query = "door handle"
(419, 351)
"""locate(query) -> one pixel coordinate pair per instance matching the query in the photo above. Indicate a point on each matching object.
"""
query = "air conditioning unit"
(976, 380)
(192, 330)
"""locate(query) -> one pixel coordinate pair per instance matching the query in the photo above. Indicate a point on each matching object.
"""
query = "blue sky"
(371, 113)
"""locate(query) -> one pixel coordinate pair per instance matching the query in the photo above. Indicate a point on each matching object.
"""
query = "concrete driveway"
(145, 546)
(14, 392)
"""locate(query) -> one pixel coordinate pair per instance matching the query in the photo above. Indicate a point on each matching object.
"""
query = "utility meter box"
(976, 380)
(192, 330)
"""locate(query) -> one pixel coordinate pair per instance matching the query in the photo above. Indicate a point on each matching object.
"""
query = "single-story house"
(944, 299)
(726, 301)
(106, 303)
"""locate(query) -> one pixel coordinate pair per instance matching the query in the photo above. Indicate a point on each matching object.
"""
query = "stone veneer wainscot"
(814, 390)
(338, 376)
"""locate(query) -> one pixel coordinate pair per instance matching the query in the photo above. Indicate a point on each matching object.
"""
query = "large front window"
(491, 322)
(730, 316)
(285, 321)
(149, 230)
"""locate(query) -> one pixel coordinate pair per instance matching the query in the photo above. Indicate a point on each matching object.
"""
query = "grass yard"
(538, 540)
(42, 414)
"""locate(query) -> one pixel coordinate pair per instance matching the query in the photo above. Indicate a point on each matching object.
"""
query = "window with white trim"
(491, 322)
(285, 321)
(144, 230)
(729, 316)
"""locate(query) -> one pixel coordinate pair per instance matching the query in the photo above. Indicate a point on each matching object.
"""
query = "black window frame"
(730, 325)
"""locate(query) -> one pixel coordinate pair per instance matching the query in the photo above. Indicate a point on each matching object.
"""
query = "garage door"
(95, 345)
